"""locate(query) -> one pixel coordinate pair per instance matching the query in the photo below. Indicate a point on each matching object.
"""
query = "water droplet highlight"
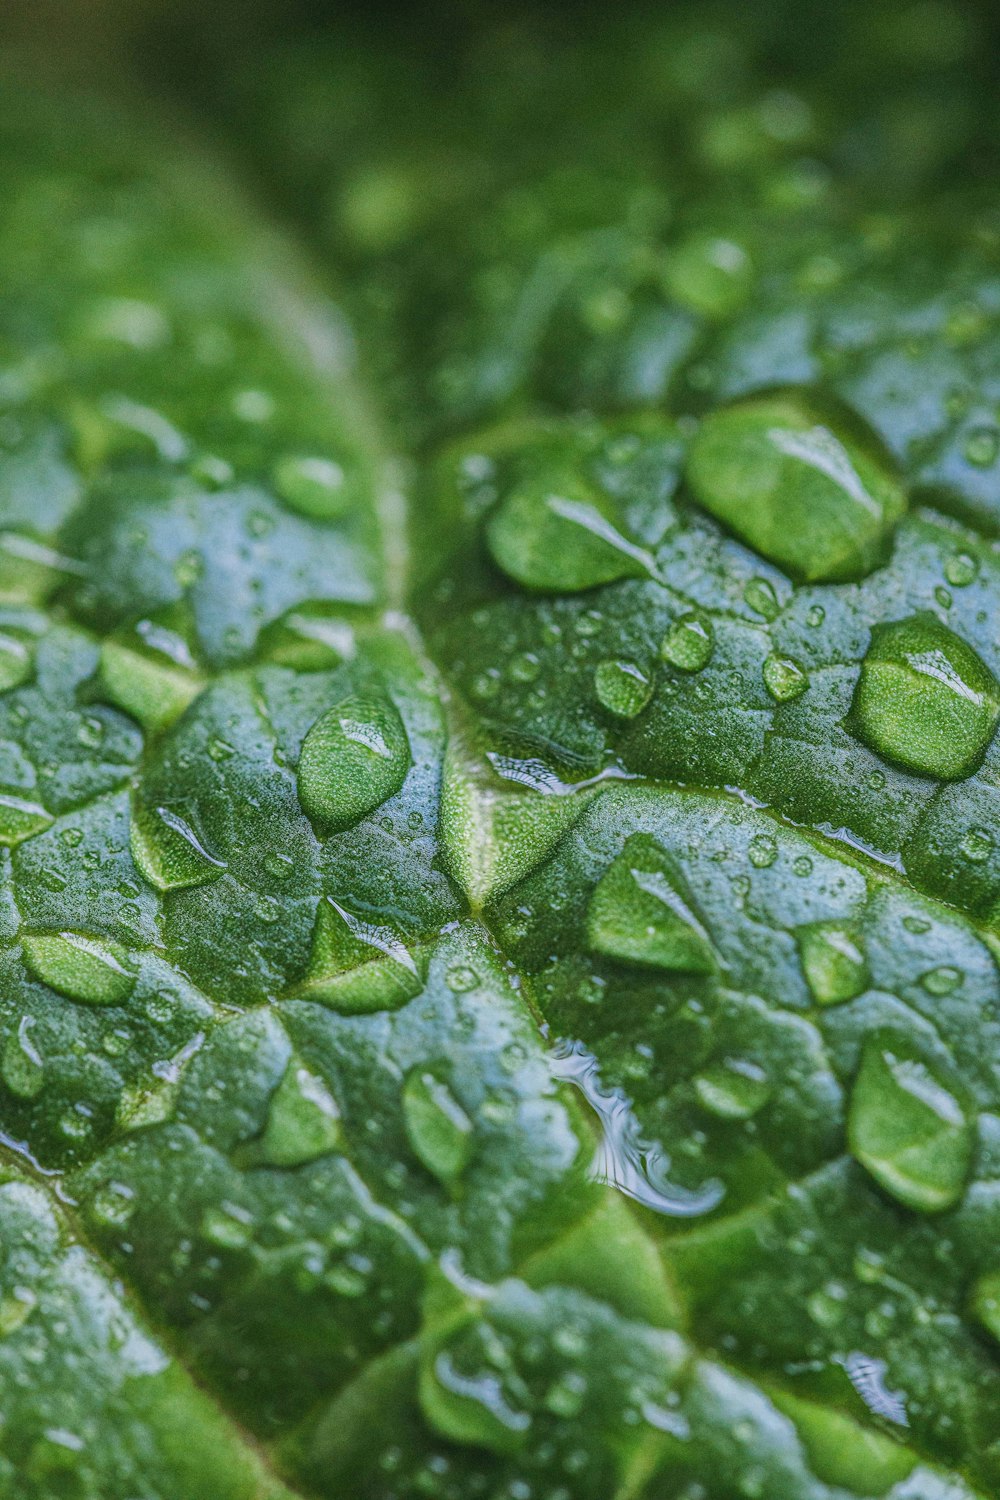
(925, 700)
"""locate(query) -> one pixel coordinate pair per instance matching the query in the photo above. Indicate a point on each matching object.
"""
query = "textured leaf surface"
(499, 994)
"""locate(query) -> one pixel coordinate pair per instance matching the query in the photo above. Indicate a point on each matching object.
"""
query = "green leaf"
(499, 993)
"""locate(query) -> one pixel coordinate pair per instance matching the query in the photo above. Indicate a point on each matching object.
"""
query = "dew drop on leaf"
(95, 971)
(354, 758)
(812, 492)
(437, 1127)
(622, 688)
(907, 1128)
(925, 700)
(832, 962)
(637, 915)
(689, 643)
(784, 678)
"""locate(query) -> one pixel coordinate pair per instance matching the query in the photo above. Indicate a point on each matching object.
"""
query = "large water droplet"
(357, 967)
(15, 662)
(734, 1089)
(315, 487)
(637, 914)
(20, 820)
(709, 275)
(784, 678)
(21, 1064)
(986, 1302)
(622, 688)
(689, 643)
(149, 672)
(353, 759)
(303, 1121)
(437, 1126)
(812, 492)
(832, 962)
(558, 536)
(907, 1128)
(925, 700)
(95, 971)
(168, 851)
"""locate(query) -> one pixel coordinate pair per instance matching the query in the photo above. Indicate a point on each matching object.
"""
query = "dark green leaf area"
(730, 1100)
(218, 825)
(77, 1363)
(781, 693)
(310, 1268)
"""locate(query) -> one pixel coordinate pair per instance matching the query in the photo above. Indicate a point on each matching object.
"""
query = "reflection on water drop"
(624, 1160)
(867, 1375)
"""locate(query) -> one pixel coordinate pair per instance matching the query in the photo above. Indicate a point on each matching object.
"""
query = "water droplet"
(253, 406)
(784, 678)
(314, 487)
(942, 597)
(21, 1064)
(188, 569)
(168, 851)
(354, 758)
(925, 700)
(278, 866)
(622, 688)
(832, 962)
(212, 472)
(15, 1309)
(303, 1121)
(763, 851)
(15, 662)
(149, 672)
(982, 444)
(113, 1205)
(689, 643)
(986, 1302)
(460, 979)
(943, 980)
(565, 1396)
(558, 536)
(906, 1128)
(20, 820)
(759, 595)
(637, 914)
(977, 845)
(812, 492)
(228, 1225)
(961, 570)
(733, 1089)
(437, 1126)
(95, 971)
(709, 275)
(356, 967)
(816, 616)
(803, 865)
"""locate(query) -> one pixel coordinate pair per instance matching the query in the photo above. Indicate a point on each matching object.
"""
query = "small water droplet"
(759, 595)
(784, 678)
(982, 444)
(961, 570)
(437, 1127)
(689, 643)
(763, 851)
(943, 980)
(622, 688)
(312, 486)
